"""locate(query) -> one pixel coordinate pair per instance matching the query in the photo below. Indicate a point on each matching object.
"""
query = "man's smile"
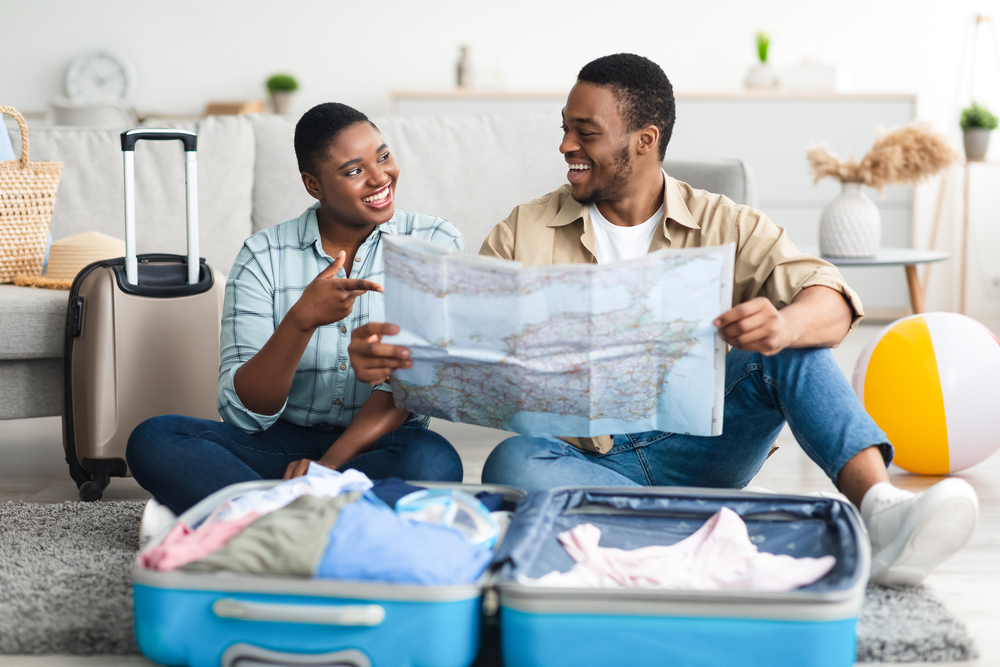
(578, 171)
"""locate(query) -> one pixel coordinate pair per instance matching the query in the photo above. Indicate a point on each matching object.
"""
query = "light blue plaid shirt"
(268, 276)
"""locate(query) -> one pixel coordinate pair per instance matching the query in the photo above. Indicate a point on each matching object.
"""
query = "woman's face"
(356, 184)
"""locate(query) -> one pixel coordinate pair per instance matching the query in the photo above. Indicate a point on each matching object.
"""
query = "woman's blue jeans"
(803, 387)
(181, 460)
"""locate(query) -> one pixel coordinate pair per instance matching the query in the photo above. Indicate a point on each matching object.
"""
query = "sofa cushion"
(91, 190)
(32, 322)
(278, 193)
(30, 388)
(470, 170)
(732, 178)
(473, 170)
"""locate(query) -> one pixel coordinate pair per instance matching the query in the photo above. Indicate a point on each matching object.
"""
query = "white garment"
(318, 481)
(616, 243)
(718, 556)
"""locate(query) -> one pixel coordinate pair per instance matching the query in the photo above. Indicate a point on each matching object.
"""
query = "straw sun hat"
(68, 256)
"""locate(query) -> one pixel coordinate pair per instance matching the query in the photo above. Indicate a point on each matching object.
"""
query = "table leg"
(916, 291)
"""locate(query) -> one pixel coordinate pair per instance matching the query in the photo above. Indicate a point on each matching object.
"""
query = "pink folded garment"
(718, 556)
(183, 545)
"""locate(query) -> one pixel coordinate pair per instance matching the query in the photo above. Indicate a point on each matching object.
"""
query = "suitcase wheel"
(92, 490)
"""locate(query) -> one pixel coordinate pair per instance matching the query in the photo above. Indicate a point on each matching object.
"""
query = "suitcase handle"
(248, 655)
(363, 615)
(190, 140)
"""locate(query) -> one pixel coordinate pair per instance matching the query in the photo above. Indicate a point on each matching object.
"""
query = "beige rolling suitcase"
(142, 338)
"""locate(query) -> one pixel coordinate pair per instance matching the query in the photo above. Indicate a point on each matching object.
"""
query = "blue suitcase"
(239, 620)
(813, 626)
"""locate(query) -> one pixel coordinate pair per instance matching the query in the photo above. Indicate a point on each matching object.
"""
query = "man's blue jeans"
(181, 460)
(803, 387)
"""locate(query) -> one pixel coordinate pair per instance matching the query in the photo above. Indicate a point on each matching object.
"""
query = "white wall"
(188, 52)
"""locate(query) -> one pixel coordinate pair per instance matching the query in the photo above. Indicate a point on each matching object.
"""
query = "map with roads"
(561, 350)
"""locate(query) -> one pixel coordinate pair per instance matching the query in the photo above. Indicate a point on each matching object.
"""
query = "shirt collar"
(309, 228)
(674, 206)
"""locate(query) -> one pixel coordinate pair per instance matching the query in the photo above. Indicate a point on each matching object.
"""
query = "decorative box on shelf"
(235, 107)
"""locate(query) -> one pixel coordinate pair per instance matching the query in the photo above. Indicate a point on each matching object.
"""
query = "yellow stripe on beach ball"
(903, 396)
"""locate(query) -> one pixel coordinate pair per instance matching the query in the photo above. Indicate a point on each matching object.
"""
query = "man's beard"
(612, 191)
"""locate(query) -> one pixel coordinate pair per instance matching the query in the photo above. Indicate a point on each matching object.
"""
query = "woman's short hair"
(317, 129)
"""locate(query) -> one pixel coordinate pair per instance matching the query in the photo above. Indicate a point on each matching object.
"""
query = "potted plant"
(761, 75)
(281, 87)
(976, 122)
(850, 225)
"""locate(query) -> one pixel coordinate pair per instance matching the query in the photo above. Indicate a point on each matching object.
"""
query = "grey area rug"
(65, 588)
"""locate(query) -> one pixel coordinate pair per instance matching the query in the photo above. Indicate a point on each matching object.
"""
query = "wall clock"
(99, 74)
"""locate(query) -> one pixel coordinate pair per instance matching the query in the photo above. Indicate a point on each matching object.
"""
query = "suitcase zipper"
(491, 601)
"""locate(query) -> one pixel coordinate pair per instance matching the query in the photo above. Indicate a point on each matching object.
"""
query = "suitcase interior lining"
(780, 525)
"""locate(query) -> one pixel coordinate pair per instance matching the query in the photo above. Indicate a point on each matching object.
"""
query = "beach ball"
(932, 383)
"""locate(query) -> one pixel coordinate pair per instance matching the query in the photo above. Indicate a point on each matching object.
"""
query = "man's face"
(356, 183)
(595, 144)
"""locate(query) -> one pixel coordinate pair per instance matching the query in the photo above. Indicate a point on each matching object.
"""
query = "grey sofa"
(471, 170)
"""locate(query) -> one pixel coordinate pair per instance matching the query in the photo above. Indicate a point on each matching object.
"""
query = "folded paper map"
(565, 349)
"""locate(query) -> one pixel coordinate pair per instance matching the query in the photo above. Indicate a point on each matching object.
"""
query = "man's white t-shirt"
(615, 243)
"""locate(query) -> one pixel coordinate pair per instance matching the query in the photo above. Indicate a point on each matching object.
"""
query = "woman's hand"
(328, 299)
(373, 361)
(301, 467)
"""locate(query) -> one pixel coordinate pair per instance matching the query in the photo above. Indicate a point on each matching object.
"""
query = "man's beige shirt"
(556, 229)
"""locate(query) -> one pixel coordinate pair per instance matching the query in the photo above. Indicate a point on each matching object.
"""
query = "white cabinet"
(770, 132)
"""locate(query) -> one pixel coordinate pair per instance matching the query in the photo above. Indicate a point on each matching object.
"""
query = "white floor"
(33, 470)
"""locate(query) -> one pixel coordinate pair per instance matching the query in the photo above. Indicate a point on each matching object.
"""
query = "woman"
(287, 392)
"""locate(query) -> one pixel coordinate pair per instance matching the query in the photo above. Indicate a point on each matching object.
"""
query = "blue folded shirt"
(370, 542)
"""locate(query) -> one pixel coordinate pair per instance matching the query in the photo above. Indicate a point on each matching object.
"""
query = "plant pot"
(281, 100)
(850, 225)
(762, 77)
(976, 140)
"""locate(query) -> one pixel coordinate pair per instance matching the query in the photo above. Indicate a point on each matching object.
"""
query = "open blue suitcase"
(813, 626)
(238, 620)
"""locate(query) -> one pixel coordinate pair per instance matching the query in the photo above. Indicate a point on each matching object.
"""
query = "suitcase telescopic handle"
(357, 615)
(190, 140)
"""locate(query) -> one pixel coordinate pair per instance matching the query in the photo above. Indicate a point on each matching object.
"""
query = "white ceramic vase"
(281, 100)
(850, 225)
(976, 141)
(761, 77)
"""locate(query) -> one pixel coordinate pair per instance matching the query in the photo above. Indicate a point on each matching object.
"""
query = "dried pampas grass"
(904, 155)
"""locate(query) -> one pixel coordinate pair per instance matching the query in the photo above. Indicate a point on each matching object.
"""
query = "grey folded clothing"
(289, 541)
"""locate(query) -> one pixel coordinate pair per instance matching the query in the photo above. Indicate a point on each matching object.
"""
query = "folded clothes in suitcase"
(813, 625)
(202, 619)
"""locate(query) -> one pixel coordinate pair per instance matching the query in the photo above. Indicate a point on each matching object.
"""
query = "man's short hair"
(317, 129)
(645, 96)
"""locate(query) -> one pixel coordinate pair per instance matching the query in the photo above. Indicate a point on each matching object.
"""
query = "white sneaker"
(913, 534)
(155, 518)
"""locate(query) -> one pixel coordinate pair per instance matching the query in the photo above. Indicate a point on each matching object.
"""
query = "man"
(790, 307)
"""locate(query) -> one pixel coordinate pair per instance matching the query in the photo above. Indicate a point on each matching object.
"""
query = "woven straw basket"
(27, 195)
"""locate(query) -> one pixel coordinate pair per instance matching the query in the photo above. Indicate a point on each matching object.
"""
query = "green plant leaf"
(281, 83)
(763, 42)
(977, 116)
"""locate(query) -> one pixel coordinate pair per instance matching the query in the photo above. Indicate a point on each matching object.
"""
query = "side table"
(907, 257)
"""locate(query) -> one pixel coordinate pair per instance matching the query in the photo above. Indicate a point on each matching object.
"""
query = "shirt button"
(357, 259)
(343, 329)
(337, 402)
(343, 367)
